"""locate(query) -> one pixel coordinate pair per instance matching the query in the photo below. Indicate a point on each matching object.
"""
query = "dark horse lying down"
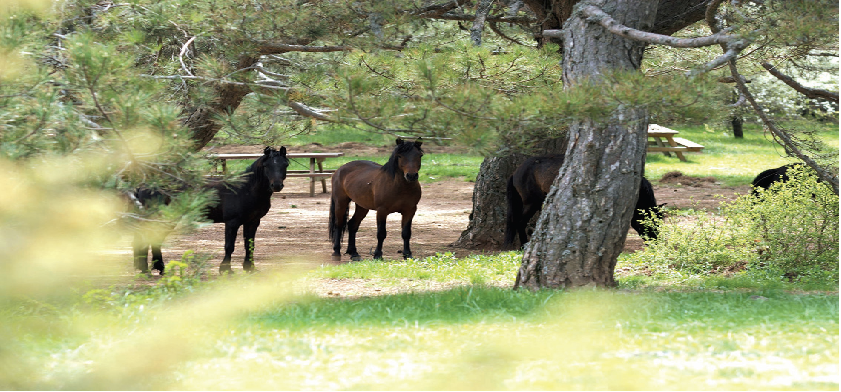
(528, 187)
(242, 204)
(388, 188)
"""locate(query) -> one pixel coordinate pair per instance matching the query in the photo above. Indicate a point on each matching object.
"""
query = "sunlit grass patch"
(487, 339)
(445, 267)
(253, 332)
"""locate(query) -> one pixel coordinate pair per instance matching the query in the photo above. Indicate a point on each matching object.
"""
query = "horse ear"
(399, 141)
(268, 150)
(418, 142)
(283, 150)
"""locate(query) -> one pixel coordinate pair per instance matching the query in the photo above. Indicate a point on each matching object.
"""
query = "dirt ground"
(295, 229)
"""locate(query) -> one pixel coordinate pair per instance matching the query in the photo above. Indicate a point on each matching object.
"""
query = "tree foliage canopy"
(146, 83)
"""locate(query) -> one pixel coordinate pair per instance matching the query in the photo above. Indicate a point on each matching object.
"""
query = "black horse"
(388, 188)
(239, 204)
(770, 176)
(528, 187)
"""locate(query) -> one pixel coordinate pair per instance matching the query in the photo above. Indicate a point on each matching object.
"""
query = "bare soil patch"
(295, 229)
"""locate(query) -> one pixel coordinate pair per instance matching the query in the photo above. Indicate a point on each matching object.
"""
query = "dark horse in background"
(238, 204)
(388, 188)
(770, 176)
(528, 187)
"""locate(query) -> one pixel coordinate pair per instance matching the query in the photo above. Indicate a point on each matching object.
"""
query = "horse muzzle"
(411, 177)
(277, 186)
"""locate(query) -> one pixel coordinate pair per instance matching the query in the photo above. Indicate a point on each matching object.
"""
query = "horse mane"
(391, 167)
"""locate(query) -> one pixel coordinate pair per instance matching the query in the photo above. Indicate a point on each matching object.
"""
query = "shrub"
(790, 231)
(795, 226)
(709, 244)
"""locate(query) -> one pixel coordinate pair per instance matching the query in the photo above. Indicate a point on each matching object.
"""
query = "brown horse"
(388, 188)
(527, 189)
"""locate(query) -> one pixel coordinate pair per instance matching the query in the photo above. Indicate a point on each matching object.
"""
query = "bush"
(795, 226)
(789, 231)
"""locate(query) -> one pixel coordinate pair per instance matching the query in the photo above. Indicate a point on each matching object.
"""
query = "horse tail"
(514, 214)
(331, 225)
(646, 207)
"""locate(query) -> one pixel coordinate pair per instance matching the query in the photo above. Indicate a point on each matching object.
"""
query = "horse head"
(274, 167)
(407, 158)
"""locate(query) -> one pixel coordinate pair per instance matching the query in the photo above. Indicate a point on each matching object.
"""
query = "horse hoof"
(407, 256)
(226, 270)
(336, 257)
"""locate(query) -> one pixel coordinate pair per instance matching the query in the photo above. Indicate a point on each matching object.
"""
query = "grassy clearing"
(251, 333)
(730, 160)
(436, 167)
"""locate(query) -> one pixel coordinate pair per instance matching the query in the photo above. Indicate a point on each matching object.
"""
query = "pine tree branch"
(596, 15)
(310, 112)
(811, 93)
(780, 135)
(266, 48)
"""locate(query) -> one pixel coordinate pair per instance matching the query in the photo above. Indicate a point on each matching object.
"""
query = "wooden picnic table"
(316, 161)
(672, 144)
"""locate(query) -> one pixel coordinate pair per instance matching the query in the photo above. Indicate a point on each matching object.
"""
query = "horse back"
(770, 176)
(370, 187)
(534, 177)
(237, 202)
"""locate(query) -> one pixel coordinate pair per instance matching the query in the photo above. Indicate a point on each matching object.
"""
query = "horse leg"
(231, 230)
(381, 219)
(249, 231)
(406, 233)
(359, 214)
(337, 224)
(157, 258)
(141, 253)
(528, 212)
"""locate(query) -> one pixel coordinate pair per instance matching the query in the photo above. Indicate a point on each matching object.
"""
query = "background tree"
(584, 223)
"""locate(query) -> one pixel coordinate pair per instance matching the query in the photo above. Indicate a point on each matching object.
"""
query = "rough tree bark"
(585, 220)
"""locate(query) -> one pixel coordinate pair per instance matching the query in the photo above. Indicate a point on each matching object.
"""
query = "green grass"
(440, 268)
(331, 135)
(265, 332)
(730, 160)
(470, 337)
(435, 166)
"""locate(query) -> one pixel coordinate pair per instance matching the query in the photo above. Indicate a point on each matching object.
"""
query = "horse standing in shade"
(388, 188)
(241, 204)
(527, 189)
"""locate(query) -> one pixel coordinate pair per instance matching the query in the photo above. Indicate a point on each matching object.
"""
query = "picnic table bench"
(316, 161)
(672, 144)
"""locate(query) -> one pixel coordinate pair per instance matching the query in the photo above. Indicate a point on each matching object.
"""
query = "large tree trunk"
(586, 216)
